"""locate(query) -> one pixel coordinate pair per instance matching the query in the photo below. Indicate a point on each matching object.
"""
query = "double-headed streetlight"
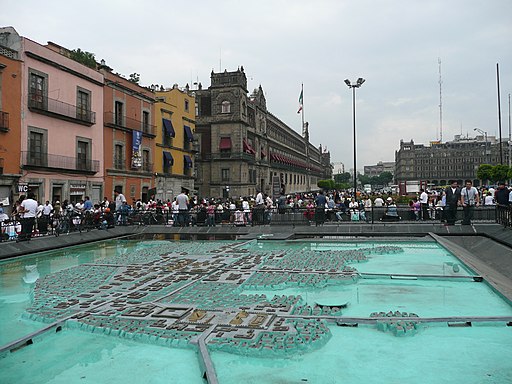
(357, 84)
(482, 132)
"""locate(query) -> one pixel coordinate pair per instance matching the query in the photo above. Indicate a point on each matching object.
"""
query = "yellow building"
(175, 146)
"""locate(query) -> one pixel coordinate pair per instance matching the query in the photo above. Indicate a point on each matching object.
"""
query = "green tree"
(385, 178)
(342, 177)
(363, 179)
(326, 184)
(342, 186)
(499, 172)
(83, 57)
(484, 172)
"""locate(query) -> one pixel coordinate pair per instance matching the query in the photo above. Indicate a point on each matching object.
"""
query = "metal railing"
(46, 160)
(504, 215)
(42, 103)
(199, 216)
(305, 216)
(4, 121)
(114, 120)
(294, 216)
(120, 165)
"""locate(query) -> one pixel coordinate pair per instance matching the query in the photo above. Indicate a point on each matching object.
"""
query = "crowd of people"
(185, 210)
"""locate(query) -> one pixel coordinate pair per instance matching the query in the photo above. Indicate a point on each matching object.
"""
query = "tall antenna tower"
(440, 133)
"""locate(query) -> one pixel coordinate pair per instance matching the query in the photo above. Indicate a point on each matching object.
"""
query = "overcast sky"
(394, 44)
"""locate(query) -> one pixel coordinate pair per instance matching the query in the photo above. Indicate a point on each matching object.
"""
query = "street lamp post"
(482, 132)
(357, 84)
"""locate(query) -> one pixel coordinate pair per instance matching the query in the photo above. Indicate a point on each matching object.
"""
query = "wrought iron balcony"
(73, 164)
(111, 119)
(120, 165)
(4, 121)
(56, 108)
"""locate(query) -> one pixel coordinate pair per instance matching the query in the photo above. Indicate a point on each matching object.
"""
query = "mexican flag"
(300, 101)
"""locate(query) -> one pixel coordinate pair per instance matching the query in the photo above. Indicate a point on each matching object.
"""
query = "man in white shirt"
(469, 199)
(424, 204)
(182, 201)
(29, 209)
(259, 199)
(47, 209)
(378, 202)
(120, 199)
(247, 210)
(79, 206)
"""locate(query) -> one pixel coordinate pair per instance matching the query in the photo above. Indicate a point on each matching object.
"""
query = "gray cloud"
(394, 44)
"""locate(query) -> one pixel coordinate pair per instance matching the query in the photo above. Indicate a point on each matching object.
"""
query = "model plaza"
(175, 294)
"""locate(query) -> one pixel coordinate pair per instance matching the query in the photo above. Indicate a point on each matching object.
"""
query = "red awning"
(225, 143)
(263, 154)
(248, 148)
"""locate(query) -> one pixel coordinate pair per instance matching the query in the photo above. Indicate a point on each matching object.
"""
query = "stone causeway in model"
(173, 293)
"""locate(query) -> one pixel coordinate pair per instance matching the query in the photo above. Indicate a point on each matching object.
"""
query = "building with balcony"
(128, 137)
(61, 133)
(438, 163)
(175, 143)
(243, 147)
(10, 122)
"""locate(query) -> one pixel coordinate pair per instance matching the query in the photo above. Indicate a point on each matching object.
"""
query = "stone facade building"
(438, 163)
(244, 148)
(377, 169)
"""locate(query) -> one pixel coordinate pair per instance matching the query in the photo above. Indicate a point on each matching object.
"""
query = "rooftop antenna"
(440, 133)
(220, 60)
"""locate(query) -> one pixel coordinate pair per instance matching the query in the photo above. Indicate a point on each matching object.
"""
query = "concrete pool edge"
(492, 276)
(45, 243)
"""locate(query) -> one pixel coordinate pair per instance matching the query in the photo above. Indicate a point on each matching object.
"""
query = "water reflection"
(31, 274)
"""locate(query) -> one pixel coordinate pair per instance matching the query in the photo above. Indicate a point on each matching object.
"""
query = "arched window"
(226, 106)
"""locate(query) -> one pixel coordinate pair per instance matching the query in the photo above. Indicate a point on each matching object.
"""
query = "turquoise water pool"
(141, 327)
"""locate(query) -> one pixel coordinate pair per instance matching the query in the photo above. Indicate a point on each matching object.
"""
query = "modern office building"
(438, 163)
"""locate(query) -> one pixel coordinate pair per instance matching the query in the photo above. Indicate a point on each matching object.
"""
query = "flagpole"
(302, 109)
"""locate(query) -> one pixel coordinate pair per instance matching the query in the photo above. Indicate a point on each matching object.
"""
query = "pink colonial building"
(61, 125)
